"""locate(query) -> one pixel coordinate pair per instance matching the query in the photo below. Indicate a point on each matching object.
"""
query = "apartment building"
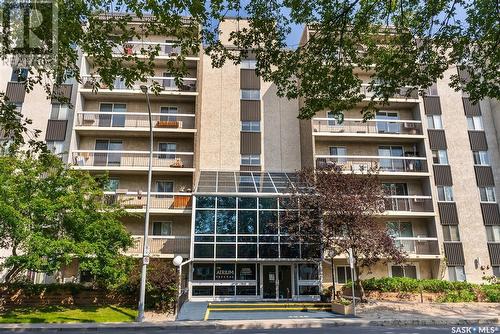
(226, 148)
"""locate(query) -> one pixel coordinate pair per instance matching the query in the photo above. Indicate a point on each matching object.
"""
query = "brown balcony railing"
(96, 119)
(88, 158)
(409, 203)
(418, 245)
(165, 83)
(380, 163)
(159, 200)
(372, 126)
(161, 245)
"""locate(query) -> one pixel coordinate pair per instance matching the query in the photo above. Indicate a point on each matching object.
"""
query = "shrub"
(491, 292)
(404, 284)
(458, 296)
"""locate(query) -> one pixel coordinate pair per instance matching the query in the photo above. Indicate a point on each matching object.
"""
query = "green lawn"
(58, 314)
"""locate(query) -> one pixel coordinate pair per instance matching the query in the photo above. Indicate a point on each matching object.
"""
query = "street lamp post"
(145, 247)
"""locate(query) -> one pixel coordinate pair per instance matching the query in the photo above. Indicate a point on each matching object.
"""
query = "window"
(387, 127)
(481, 158)
(250, 126)
(169, 111)
(112, 114)
(167, 147)
(112, 184)
(343, 274)
(475, 123)
(246, 272)
(434, 122)
(250, 159)
(55, 147)
(339, 150)
(432, 90)
(404, 271)
(250, 94)
(333, 121)
(19, 74)
(248, 64)
(493, 233)
(169, 81)
(440, 157)
(203, 272)
(445, 193)
(487, 194)
(450, 233)
(164, 187)
(59, 111)
(308, 272)
(170, 49)
(456, 274)
(162, 228)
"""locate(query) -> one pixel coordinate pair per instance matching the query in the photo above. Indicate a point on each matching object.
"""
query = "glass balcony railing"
(404, 92)
(372, 126)
(132, 159)
(378, 163)
(96, 119)
(141, 47)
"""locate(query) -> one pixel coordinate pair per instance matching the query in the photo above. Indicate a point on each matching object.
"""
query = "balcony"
(412, 205)
(139, 48)
(166, 85)
(133, 161)
(370, 129)
(385, 165)
(95, 122)
(419, 247)
(161, 246)
(161, 202)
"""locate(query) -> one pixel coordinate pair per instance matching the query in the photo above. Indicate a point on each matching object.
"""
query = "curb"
(264, 324)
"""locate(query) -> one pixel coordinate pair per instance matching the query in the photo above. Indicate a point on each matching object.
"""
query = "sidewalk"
(392, 314)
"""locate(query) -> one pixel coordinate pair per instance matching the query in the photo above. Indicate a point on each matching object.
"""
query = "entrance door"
(285, 281)
(276, 281)
(269, 282)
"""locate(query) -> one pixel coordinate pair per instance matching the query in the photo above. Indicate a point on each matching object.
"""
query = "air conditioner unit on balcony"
(408, 125)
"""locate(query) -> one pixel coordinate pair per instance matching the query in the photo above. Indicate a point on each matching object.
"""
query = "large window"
(481, 158)
(250, 159)
(445, 193)
(250, 94)
(440, 157)
(343, 274)
(456, 274)
(248, 64)
(487, 194)
(404, 271)
(493, 233)
(162, 228)
(250, 126)
(59, 111)
(227, 227)
(475, 123)
(434, 122)
(451, 233)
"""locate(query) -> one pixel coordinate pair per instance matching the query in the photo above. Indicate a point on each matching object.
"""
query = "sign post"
(351, 264)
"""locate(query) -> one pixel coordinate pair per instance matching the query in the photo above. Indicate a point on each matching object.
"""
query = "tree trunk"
(359, 284)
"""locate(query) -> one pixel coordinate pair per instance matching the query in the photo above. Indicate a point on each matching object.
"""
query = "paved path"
(264, 315)
(336, 330)
(192, 311)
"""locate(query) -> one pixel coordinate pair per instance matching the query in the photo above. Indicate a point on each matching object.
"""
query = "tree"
(337, 212)
(51, 214)
(396, 42)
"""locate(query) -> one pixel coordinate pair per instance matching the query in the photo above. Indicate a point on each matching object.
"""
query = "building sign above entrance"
(224, 272)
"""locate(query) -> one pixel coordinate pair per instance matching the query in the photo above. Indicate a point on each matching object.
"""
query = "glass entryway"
(276, 281)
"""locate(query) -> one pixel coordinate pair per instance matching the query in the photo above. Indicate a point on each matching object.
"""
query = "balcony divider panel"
(62, 93)
(15, 92)
(250, 143)
(470, 108)
(494, 250)
(249, 79)
(250, 110)
(478, 141)
(484, 176)
(56, 130)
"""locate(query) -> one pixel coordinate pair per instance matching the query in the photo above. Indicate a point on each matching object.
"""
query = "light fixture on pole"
(145, 247)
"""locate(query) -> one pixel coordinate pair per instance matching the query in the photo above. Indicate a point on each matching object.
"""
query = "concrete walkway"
(192, 311)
